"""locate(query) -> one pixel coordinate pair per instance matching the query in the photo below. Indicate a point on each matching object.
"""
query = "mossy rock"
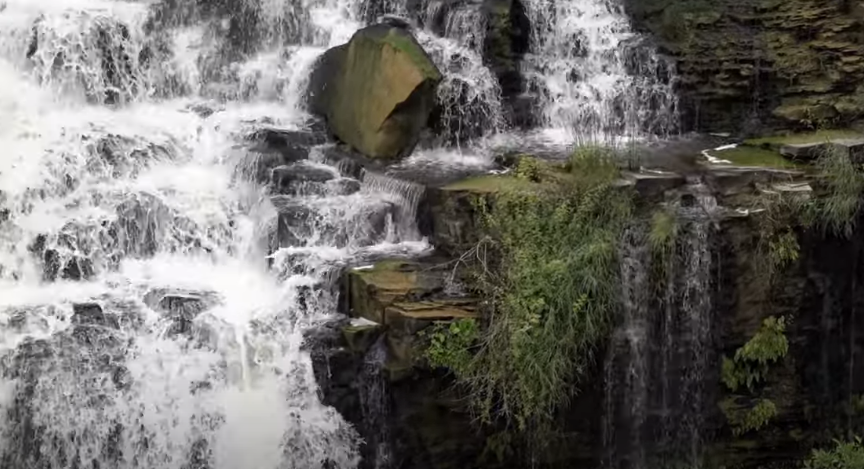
(377, 91)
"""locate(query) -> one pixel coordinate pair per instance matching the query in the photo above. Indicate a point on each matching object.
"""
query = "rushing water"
(595, 77)
(162, 256)
(153, 293)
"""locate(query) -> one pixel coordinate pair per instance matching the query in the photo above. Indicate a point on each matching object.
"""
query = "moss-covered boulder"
(377, 91)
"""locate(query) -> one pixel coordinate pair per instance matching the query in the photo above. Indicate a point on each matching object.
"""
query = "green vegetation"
(528, 169)
(552, 285)
(450, 344)
(752, 156)
(777, 242)
(664, 232)
(839, 200)
(489, 184)
(783, 249)
(749, 367)
(844, 455)
(751, 418)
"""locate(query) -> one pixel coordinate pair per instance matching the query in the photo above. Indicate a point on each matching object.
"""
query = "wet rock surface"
(779, 64)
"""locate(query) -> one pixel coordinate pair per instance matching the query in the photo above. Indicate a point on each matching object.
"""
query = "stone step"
(852, 147)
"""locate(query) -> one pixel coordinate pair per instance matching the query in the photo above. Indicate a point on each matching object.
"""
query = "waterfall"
(375, 405)
(159, 264)
(661, 352)
(626, 368)
(595, 77)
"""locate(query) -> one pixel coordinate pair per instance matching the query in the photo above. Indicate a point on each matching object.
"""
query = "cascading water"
(153, 292)
(626, 368)
(375, 403)
(660, 354)
(595, 79)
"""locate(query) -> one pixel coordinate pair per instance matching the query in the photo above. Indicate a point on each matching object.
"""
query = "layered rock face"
(377, 91)
(756, 64)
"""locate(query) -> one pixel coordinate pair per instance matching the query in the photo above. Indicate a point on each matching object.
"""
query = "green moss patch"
(489, 184)
(753, 156)
(407, 45)
(775, 142)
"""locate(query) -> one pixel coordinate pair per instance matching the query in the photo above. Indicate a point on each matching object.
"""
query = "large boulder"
(377, 91)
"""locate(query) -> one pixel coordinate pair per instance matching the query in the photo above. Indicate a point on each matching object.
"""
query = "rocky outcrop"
(673, 386)
(377, 91)
(423, 423)
(405, 298)
(749, 65)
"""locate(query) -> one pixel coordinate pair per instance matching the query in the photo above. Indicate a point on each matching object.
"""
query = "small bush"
(553, 291)
(844, 455)
(784, 249)
(750, 364)
(835, 210)
(450, 344)
(591, 163)
(753, 418)
(529, 169)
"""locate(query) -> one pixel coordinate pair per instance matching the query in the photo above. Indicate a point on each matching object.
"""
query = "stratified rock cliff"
(757, 64)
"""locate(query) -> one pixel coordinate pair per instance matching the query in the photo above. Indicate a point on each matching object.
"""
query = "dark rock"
(297, 221)
(507, 38)
(285, 179)
(653, 185)
(141, 224)
(92, 314)
(180, 307)
(272, 148)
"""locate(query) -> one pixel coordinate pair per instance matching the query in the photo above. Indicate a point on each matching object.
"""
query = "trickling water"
(696, 308)
(595, 78)
(374, 397)
(659, 358)
(626, 367)
(140, 325)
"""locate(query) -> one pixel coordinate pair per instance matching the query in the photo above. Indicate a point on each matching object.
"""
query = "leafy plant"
(753, 418)
(783, 249)
(528, 168)
(553, 291)
(450, 344)
(751, 362)
(844, 455)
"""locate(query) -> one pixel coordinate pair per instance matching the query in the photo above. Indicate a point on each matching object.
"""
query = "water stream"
(141, 326)
(660, 355)
(158, 270)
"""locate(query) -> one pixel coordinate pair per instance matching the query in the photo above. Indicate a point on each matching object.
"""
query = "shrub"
(553, 291)
(844, 455)
(450, 344)
(750, 364)
(836, 208)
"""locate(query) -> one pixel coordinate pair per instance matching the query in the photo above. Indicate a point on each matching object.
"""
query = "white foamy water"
(596, 81)
(153, 301)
